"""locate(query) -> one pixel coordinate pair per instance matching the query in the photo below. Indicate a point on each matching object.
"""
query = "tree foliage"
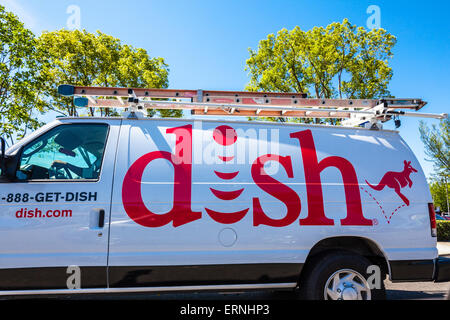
(338, 61)
(437, 145)
(96, 59)
(437, 148)
(439, 191)
(32, 68)
(20, 87)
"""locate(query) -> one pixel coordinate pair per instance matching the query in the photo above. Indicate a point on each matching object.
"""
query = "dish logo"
(182, 212)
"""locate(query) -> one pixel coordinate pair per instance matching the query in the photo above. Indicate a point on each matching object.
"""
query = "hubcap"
(346, 284)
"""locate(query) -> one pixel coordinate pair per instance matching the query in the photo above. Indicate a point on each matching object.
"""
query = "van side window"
(73, 151)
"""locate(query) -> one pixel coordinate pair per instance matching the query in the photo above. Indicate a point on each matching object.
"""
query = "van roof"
(223, 120)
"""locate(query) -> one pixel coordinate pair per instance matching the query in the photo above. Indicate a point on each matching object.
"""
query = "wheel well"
(357, 245)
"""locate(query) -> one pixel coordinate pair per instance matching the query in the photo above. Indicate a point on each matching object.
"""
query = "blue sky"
(205, 43)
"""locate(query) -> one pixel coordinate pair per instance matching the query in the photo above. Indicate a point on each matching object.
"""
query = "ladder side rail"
(177, 93)
(148, 104)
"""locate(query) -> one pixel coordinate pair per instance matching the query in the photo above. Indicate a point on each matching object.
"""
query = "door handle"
(101, 218)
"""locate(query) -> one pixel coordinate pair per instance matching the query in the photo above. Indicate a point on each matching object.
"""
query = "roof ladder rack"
(353, 112)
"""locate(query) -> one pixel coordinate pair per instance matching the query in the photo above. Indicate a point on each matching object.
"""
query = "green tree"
(437, 145)
(20, 88)
(96, 59)
(436, 140)
(339, 61)
(439, 192)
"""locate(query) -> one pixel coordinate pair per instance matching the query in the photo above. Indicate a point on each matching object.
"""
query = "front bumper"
(442, 269)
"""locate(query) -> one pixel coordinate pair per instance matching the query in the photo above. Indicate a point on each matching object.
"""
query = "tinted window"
(72, 151)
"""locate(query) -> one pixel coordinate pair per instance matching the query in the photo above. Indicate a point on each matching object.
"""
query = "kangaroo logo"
(396, 180)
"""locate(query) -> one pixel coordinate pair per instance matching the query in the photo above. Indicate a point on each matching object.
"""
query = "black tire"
(319, 270)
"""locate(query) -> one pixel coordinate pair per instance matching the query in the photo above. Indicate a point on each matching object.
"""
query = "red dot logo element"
(225, 135)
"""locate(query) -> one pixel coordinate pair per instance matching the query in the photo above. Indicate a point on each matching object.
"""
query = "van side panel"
(200, 195)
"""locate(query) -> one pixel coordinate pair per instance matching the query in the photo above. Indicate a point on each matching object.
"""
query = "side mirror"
(12, 164)
(9, 163)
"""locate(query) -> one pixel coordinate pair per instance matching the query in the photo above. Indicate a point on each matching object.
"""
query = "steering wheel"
(57, 166)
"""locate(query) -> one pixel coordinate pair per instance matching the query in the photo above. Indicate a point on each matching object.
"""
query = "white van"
(124, 205)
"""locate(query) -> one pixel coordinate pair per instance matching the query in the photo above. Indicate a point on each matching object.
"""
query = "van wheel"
(339, 276)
